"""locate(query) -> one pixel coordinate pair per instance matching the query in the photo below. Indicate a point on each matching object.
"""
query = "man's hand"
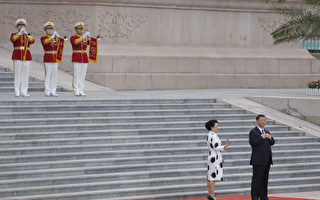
(268, 136)
(263, 136)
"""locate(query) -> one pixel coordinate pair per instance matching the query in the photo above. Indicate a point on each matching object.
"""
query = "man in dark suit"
(261, 158)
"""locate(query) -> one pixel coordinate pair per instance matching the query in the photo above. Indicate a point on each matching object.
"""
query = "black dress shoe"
(264, 198)
(210, 198)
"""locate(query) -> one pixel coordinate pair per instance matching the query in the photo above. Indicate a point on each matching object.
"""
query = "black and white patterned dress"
(215, 166)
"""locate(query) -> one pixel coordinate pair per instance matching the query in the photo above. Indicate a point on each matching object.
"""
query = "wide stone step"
(149, 153)
(201, 193)
(40, 117)
(94, 186)
(118, 120)
(100, 162)
(6, 75)
(136, 139)
(107, 101)
(145, 131)
(142, 113)
(39, 108)
(84, 134)
(143, 184)
(4, 69)
(31, 88)
(124, 125)
(125, 113)
(11, 79)
(31, 84)
(103, 147)
(140, 145)
(198, 173)
(160, 190)
(127, 169)
(300, 158)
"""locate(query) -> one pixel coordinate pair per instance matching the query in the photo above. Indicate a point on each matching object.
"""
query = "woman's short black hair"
(260, 115)
(210, 124)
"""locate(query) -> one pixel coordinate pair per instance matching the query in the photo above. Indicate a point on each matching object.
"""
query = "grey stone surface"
(304, 108)
(132, 145)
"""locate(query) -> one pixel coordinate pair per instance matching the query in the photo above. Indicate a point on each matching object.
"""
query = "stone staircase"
(7, 82)
(138, 149)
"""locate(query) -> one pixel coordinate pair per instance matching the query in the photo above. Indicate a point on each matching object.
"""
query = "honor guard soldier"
(80, 60)
(21, 57)
(50, 43)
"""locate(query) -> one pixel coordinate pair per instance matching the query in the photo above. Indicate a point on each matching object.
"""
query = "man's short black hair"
(260, 115)
(210, 124)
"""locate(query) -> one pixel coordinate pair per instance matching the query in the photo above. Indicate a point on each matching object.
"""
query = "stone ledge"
(201, 52)
(156, 81)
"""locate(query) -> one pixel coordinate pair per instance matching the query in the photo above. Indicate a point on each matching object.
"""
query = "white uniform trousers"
(79, 76)
(21, 76)
(50, 83)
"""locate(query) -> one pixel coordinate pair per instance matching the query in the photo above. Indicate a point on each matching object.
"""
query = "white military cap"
(48, 25)
(78, 25)
(21, 21)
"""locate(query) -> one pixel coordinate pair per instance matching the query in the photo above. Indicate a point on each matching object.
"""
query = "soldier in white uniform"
(21, 57)
(50, 43)
(80, 59)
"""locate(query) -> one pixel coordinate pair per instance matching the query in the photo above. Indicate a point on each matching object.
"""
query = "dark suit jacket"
(261, 148)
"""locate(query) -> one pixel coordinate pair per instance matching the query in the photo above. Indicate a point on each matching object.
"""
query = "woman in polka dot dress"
(215, 161)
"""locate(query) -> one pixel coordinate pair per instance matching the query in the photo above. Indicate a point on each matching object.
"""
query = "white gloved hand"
(22, 31)
(53, 35)
(55, 32)
(86, 35)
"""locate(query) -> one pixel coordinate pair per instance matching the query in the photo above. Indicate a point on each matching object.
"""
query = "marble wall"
(221, 23)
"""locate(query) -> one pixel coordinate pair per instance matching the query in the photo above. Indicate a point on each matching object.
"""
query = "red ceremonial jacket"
(50, 49)
(79, 47)
(18, 42)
